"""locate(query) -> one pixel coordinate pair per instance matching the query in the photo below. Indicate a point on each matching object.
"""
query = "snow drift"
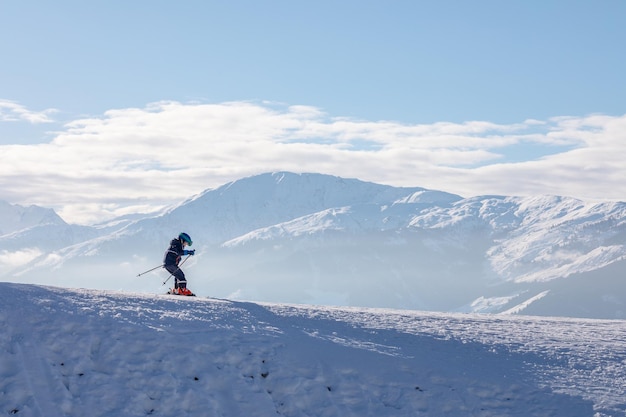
(100, 353)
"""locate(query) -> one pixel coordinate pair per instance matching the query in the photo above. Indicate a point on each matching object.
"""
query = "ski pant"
(179, 276)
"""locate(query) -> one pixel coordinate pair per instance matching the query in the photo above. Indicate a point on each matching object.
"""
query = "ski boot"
(185, 291)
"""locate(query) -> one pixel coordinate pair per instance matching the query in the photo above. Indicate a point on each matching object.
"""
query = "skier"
(172, 258)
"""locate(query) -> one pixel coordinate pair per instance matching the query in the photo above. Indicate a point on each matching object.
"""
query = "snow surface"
(67, 352)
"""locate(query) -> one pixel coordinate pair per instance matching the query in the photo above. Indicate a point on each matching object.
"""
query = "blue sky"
(482, 97)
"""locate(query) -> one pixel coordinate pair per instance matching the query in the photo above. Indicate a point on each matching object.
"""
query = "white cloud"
(9, 260)
(167, 151)
(13, 112)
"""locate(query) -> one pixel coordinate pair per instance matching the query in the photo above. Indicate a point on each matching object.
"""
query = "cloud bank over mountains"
(142, 159)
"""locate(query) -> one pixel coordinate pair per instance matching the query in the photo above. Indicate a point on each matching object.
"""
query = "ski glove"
(189, 252)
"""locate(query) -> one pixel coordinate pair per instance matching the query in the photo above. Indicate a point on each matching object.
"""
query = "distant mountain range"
(320, 239)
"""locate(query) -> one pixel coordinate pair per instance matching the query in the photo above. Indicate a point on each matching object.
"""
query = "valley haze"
(320, 239)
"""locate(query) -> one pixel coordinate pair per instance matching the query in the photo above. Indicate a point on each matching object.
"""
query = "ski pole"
(176, 270)
(150, 270)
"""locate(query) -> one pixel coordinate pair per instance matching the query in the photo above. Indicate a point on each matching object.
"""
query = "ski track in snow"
(99, 353)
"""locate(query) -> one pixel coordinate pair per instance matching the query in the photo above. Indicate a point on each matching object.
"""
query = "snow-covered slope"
(14, 217)
(28, 232)
(99, 353)
(319, 239)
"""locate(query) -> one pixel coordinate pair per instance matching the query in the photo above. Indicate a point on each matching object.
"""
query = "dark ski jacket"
(173, 253)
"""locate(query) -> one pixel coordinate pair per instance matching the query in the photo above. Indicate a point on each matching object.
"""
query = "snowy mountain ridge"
(105, 354)
(15, 218)
(313, 238)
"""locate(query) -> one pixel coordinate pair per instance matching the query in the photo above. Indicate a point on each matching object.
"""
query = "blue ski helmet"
(185, 237)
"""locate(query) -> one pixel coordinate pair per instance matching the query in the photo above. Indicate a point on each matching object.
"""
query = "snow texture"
(67, 352)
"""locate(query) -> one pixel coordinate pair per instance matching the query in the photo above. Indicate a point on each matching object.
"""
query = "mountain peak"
(321, 239)
(14, 217)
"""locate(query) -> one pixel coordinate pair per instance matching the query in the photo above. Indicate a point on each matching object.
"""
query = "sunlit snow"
(67, 352)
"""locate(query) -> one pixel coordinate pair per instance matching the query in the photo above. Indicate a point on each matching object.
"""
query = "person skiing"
(172, 258)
